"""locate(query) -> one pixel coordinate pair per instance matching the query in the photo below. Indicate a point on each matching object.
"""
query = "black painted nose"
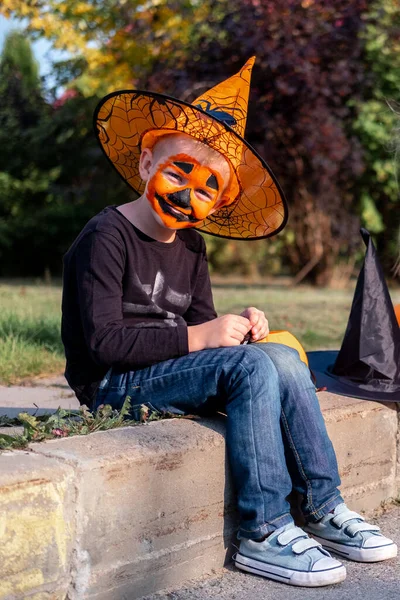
(181, 198)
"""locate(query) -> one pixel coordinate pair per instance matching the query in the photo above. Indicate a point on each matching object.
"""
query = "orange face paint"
(183, 192)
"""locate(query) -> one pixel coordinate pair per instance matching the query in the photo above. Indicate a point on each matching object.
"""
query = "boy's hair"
(203, 154)
(189, 145)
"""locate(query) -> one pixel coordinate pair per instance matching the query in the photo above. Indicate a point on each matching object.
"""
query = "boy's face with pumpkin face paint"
(185, 180)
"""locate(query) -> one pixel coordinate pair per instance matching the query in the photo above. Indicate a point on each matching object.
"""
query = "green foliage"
(370, 216)
(376, 124)
(251, 259)
(113, 44)
(64, 423)
(22, 182)
(17, 60)
(51, 175)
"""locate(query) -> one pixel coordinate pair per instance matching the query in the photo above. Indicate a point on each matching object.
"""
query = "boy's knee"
(251, 358)
(285, 359)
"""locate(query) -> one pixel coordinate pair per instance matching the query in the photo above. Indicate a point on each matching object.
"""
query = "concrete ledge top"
(143, 441)
(170, 435)
(137, 443)
(335, 406)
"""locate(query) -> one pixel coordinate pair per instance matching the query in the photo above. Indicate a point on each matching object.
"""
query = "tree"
(376, 125)
(307, 71)
(20, 95)
(112, 45)
(51, 168)
(21, 107)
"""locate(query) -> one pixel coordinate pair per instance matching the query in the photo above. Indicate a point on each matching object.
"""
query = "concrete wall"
(37, 525)
(123, 513)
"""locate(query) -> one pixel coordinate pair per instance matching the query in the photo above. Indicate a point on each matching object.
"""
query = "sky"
(41, 48)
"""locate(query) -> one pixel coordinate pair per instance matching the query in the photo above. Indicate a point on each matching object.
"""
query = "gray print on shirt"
(156, 294)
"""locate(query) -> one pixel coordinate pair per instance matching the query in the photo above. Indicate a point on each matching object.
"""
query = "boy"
(138, 320)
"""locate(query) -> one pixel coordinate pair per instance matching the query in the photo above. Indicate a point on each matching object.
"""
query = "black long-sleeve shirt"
(128, 299)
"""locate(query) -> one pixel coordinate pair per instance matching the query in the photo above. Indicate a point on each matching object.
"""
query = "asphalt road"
(374, 581)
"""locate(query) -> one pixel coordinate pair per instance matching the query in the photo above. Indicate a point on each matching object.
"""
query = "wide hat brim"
(321, 363)
(123, 118)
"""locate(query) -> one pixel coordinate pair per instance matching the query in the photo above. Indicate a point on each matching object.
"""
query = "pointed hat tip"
(250, 63)
(246, 70)
(366, 236)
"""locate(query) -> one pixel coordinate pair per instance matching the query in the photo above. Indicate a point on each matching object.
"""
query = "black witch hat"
(368, 363)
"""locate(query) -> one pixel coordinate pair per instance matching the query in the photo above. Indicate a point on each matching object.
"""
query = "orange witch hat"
(128, 121)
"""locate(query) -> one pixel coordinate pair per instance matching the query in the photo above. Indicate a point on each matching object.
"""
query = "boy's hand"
(259, 323)
(229, 330)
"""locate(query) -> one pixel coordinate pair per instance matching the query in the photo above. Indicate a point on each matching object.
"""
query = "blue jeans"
(276, 437)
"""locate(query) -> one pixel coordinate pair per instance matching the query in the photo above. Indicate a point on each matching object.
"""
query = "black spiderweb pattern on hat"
(258, 211)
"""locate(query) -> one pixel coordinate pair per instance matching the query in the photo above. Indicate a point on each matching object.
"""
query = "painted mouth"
(174, 212)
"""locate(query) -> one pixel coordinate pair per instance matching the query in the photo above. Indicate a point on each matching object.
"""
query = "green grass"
(30, 342)
(318, 317)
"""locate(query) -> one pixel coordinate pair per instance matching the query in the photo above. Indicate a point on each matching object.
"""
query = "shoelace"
(303, 542)
(354, 528)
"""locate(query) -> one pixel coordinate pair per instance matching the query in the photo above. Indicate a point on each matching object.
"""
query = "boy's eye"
(175, 176)
(204, 194)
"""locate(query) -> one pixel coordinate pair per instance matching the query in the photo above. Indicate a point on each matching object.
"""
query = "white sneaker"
(346, 533)
(290, 556)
